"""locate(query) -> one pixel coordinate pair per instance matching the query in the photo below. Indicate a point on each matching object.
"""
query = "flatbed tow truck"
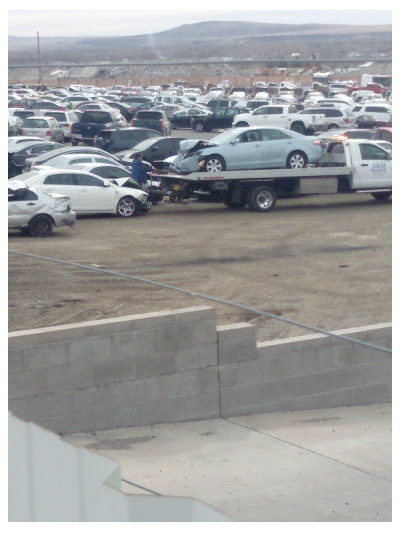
(347, 167)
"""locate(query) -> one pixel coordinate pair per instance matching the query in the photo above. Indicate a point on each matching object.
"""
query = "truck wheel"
(242, 125)
(214, 163)
(381, 196)
(298, 127)
(296, 160)
(127, 207)
(40, 226)
(261, 198)
(199, 127)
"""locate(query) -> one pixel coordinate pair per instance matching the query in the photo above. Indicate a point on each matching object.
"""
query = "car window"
(80, 160)
(249, 136)
(370, 151)
(273, 135)
(111, 172)
(260, 111)
(21, 195)
(35, 123)
(40, 149)
(356, 108)
(377, 109)
(57, 115)
(98, 117)
(274, 110)
(88, 181)
(59, 179)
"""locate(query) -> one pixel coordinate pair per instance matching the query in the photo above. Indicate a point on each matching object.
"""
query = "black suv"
(117, 140)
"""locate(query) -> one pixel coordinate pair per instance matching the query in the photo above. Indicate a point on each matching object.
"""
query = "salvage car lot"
(324, 261)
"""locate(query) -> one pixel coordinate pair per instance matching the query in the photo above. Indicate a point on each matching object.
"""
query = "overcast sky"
(74, 22)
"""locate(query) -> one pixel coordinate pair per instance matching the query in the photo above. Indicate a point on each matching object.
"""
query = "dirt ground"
(324, 261)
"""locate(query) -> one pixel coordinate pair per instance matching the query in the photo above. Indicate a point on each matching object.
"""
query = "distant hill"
(211, 39)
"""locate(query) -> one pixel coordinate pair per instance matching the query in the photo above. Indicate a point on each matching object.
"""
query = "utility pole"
(38, 47)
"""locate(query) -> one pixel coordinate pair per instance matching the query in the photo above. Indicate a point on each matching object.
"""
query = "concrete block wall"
(178, 365)
(310, 372)
(134, 370)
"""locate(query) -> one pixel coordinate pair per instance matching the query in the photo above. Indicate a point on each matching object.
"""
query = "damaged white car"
(36, 212)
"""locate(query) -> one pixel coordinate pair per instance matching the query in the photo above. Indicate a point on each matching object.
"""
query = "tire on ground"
(261, 198)
(40, 226)
(127, 207)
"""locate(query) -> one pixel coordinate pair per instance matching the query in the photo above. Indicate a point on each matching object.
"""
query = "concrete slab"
(331, 465)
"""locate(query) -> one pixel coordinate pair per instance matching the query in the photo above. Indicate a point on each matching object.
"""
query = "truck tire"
(296, 159)
(214, 163)
(40, 226)
(261, 198)
(199, 126)
(242, 125)
(127, 207)
(381, 196)
(298, 127)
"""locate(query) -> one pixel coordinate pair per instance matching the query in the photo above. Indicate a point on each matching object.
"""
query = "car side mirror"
(107, 184)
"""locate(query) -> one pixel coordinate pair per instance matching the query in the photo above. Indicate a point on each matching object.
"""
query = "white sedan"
(90, 194)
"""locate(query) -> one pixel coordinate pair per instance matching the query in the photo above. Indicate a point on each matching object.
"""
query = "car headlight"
(142, 198)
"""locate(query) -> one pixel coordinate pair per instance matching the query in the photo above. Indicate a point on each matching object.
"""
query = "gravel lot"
(324, 261)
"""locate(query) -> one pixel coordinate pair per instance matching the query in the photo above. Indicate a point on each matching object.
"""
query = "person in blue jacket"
(139, 171)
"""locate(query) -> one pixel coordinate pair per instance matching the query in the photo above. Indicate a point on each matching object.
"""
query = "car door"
(276, 145)
(376, 167)
(94, 195)
(62, 183)
(245, 152)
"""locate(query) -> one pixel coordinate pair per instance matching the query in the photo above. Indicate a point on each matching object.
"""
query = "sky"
(52, 22)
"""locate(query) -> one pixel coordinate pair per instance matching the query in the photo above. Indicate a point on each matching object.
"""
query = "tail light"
(73, 128)
(162, 125)
(345, 120)
(64, 125)
(317, 143)
(48, 133)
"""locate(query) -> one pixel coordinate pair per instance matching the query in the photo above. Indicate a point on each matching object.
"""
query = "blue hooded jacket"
(139, 171)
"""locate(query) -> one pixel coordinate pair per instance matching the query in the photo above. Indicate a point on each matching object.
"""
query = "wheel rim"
(297, 161)
(213, 165)
(199, 127)
(264, 199)
(126, 207)
(41, 227)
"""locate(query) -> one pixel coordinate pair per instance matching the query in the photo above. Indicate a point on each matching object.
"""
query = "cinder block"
(68, 377)
(237, 350)
(45, 405)
(233, 332)
(45, 356)
(123, 344)
(95, 397)
(82, 351)
(370, 394)
(198, 356)
(144, 342)
(380, 372)
(188, 382)
(194, 314)
(335, 356)
(348, 377)
(25, 384)
(15, 360)
(154, 364)
(194, 407)
(317, 382)
(113, 370)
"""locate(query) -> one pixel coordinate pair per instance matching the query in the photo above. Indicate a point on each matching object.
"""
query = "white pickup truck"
(352, 166)
(285, 116)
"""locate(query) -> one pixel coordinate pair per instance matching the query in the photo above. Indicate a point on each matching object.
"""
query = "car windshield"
(144, 145)
(225, 137)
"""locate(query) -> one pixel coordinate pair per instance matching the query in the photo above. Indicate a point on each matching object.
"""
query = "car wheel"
(40, 226)
(261, 198)
(241, 125)
(214, 163)
(296, 160)
(299, 128)
(199, 127)
(127, 207)
(333, 126)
